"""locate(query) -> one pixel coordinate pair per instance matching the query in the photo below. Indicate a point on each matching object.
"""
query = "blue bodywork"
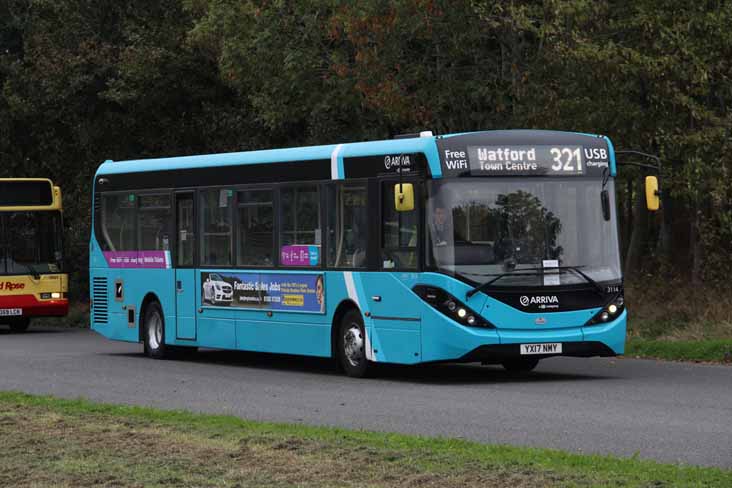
(408, 330)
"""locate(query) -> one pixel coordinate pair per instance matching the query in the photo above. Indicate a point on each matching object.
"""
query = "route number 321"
(566, 159)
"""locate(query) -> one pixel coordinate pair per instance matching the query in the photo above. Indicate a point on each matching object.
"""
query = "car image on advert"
(216, 291)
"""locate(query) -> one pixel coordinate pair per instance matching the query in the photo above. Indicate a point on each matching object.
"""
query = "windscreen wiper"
(589, 280)
(487, 284)
(575, 269)
(34, 272)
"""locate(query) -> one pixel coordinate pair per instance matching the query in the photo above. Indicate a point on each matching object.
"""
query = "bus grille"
(99, 295)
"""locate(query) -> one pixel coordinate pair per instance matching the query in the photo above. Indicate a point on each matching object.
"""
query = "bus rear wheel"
(153, 326)
(352, 345)
(20, 325)
(520, 365)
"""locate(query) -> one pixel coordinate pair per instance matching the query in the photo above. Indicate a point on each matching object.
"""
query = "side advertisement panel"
(264, 291)
(138, 259)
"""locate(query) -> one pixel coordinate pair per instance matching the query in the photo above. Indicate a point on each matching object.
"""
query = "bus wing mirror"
(653, 200)
(404, 197)
(605, 200)
(57, 196)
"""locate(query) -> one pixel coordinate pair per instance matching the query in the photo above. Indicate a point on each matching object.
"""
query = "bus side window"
(216, 209)
(255, 242)
(347, 225)
(399, 234)
(300, 225)
(185, 232)
(154, 222)
(118, 222)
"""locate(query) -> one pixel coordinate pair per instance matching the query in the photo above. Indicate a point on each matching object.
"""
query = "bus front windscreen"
(515, 230)
(30, 242)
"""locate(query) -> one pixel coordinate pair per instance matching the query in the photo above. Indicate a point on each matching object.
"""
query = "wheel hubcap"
(353, 345)
(155, 331)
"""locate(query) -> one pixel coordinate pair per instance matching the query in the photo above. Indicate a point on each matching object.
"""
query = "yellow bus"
(32, 278)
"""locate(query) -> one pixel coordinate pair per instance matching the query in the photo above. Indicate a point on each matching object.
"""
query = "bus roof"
(307, 153)
(333, 152)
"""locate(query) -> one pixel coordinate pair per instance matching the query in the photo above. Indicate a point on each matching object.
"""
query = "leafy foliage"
(84, 81)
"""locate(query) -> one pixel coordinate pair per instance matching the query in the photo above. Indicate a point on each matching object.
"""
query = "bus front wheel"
(20, 325)
(154, 331)
(352, 345)
(520, 365)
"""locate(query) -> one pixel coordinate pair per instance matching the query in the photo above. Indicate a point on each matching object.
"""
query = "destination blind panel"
(562, 160)
(524, 153)
(25, 193)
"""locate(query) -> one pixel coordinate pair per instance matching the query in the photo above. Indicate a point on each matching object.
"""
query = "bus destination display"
(528, 160)
(25, 193)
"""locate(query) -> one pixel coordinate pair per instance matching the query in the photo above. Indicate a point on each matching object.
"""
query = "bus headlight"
(50, 296)
(450, 306)
(610, 311)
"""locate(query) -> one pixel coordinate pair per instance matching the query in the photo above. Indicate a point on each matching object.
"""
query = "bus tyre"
(520, 365)
(352, 345)
(153, 326)
(20, 325)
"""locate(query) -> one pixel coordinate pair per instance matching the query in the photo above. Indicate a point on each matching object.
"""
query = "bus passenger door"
(185, 273)
(395, 310)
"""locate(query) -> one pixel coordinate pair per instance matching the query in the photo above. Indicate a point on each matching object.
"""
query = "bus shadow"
(266, 361)
(475, 373)
(249, 360)
(429, 374)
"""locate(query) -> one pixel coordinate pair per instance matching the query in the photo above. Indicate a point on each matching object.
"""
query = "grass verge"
(52, 442)
(677, 311)
(706, 350)
(671, 319)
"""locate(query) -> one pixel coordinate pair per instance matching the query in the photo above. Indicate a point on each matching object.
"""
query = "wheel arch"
(343, 308)
(149, 298)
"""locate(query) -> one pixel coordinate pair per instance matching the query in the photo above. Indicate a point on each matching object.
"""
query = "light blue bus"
(498, 247)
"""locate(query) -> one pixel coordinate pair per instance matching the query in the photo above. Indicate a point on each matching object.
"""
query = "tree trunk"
(665, 238)
(627, 229)
(639, 235)
(669, 212)
(696, 246)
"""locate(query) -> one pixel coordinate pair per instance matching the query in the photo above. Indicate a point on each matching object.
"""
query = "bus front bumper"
(603, 340)
(463, 344)
(498, 353)
(30, 306)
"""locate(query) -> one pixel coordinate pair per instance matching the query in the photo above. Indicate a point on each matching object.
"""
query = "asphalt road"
(669, 412)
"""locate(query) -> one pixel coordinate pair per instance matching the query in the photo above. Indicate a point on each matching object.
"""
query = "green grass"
(709, 350)
(53, 442)
(673, 320)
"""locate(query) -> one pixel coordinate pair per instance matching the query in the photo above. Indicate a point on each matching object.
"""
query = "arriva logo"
(541, 300)
(397, 161)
